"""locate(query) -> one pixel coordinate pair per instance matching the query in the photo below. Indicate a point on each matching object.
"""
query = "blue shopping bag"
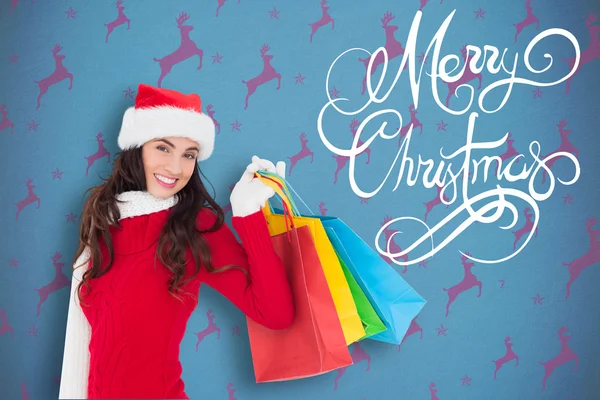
(394, 300)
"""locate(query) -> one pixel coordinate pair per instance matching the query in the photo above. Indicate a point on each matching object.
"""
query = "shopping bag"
(338, 285)
(314, 344)
(371, 322)
(394, 300)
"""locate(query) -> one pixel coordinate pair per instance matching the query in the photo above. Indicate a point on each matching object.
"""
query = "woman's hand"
(250, 194)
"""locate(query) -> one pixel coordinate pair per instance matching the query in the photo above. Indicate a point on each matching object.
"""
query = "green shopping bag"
(371, 322)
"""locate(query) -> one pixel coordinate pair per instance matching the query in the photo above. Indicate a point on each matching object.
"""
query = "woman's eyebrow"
(173, 146)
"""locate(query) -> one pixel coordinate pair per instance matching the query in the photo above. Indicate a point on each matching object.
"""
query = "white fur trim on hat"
(141, 125)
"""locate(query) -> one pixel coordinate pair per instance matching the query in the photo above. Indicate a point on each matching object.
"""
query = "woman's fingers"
(264, 164)
(280, 169)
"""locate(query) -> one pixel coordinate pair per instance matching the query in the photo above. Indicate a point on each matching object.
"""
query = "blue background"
(68, 121)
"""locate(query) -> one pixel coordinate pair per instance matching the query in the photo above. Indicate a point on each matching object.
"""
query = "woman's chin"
(162, 192)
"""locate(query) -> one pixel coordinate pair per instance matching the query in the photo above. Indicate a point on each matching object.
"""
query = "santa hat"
(162, 113)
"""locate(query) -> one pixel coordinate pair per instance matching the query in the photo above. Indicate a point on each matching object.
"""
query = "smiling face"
(168, 164)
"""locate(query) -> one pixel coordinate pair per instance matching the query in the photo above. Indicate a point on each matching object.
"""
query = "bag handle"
(287, 212)
(285, 186)
(278, 187)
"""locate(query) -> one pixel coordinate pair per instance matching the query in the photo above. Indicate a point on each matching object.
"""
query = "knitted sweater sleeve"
(267, 299)
(76, 358)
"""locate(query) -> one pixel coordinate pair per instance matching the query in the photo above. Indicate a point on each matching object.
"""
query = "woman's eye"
(162, 148)
(191, 156)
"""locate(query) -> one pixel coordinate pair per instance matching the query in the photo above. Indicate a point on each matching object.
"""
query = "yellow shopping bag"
(338, 285)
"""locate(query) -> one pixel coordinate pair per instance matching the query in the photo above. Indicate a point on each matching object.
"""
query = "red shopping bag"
(314, 344)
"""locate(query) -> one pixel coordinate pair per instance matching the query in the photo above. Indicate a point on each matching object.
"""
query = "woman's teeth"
(164, 179)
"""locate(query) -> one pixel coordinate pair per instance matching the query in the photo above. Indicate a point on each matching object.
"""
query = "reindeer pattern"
(591, 53)
(324, 20)
(187, 49)
(392, 46)
(121, 19)
(468, 281)
(465, 77)
(100, 153)
(565, 146)
(59, 281)
(30, 199)
(5, 123)
(565, 355)
(358, 355)
(59, 74)
(508, 356)
(265, 74)
(209, 330)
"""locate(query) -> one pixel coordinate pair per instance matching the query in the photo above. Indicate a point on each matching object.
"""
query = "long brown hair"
(179, 233)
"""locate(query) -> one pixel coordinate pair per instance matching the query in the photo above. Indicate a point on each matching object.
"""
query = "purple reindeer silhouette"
(591, 257)
(324, 20)
(413, 328)
(353, 129)
(187, 48)
(267, 74)
(508, 356)
(322, 208)
(510, 152)
(565, 145)
(529, 20)
(565, 355)
(433, 391)
(341, 161)
(230, 391)
(469, 281)
(303, 153)
(30, 199)
(120, 20)
(24, 391)
(60, 281)
(60, 73)
(211, 328)
(437, 200)
(591, 53)
(423, 3)
(394, 248)
(14, 4)
(220, 4)
(392, 46)
(434, 202)
(211, 112)
(358, 355)
(414, 122)
(5, 122)
(526, 228)
(101, 152)
(467, 76)
(5, 326)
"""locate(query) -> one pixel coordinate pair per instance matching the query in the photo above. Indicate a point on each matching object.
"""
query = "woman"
(150, 236)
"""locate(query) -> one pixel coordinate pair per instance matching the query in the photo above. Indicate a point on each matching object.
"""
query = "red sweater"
(137, 326)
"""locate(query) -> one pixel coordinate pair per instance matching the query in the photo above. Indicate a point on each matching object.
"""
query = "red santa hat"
(163, 113)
